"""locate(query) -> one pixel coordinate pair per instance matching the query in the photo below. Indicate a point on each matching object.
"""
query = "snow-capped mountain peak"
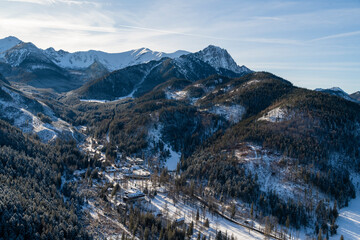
(17, 54)
(8, 43)
(112, 61)
(337, 89)
(220, 58)
(337, 92)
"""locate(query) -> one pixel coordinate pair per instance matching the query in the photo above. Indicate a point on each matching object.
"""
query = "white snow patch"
(252, 82)
(174, 158)
(349, 217)
(94, 100)
(275, 115)
(217, 223)
(179, 95)
(233, 113)
(25, 118)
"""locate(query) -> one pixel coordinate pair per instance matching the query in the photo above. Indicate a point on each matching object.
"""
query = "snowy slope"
(22, 51)
(32, 116)
(349, 217)
(220, 58)
(14, 52)
(7, 43)
(337, 92)
(112, 61)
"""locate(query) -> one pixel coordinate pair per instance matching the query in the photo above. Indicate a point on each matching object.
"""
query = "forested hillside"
(36, 201)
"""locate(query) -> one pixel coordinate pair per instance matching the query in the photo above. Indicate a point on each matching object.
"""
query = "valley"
(148, 145)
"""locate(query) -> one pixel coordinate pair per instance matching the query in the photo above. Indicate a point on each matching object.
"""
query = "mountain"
(63, 71)
(220, 58)
(112, 61)
(8, 43)
(251, 138)
(28, 64)
(33, 116)
(137, 80)
(79, 60)
(356, 96)
(336, 91)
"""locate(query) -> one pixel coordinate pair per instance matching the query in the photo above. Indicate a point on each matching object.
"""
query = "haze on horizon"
(312, 44)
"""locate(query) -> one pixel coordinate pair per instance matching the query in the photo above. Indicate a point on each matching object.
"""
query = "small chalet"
(180, 221)
(132, 197)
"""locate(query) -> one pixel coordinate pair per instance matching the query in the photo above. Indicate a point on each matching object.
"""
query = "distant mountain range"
(355, 97)
(139, 79)
(15, 51)
(64, 71)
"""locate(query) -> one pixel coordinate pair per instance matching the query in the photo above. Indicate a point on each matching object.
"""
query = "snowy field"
(179, 210)
(349, 218)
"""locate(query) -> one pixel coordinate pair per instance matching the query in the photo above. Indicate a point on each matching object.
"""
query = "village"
(131, 182)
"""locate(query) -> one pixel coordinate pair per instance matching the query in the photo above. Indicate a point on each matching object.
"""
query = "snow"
(336, 91)
(174, 158)
(172, 161)
(275, 115)
(220, 58)
(252, 82)
(233, 113)
(8, 43)
(349, 217)
(25, 118)
(179, 95)
(182, 210)
(112, 61)
(94, 100)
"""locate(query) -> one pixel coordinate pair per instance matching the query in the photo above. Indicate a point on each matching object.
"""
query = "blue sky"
(311, 43)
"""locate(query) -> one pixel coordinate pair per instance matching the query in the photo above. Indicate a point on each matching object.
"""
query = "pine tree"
(233, 210)
(252, 210)
(335, 212)
(146, 233)
(320, 236)
(342, 237)
(207, 224)
(287, 222)
(190, 230)
(197, 215)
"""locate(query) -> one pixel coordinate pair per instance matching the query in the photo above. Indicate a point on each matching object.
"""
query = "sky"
(310, 43)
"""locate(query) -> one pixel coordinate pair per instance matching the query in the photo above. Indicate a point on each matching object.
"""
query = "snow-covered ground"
(174, 158)
(112, 61)
(275, 115)
(24, 111)
(179, 210)
(233, 113)
(349, 217)
(94, 100)
(179, 95)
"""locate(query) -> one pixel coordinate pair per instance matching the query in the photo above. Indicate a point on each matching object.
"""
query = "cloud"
(50, 2)
(334, 36)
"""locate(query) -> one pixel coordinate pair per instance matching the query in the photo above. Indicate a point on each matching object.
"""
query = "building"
(179, 221)
(133, 197)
